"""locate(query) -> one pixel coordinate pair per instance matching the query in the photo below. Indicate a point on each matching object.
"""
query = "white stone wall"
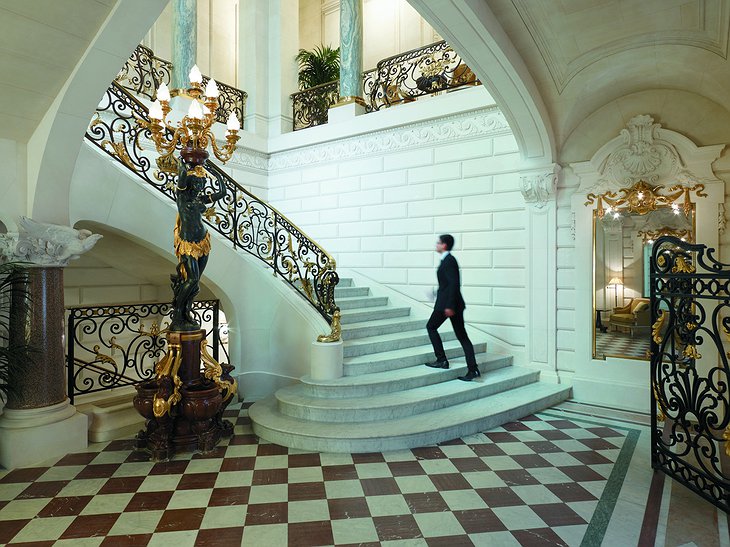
(378, 203)
(565, 299)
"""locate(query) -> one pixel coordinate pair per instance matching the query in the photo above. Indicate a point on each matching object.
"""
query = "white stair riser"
(379, 388)
(349, 292)
(364, 302)
(419, 357)
(385, 443)
(344, 282)
(345, 414)
(355, 333)
(368, 348)
(372, 315)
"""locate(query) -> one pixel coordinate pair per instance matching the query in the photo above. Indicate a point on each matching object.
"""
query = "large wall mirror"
(625, 226)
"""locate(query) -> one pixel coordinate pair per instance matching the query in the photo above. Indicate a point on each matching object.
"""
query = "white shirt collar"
(444, 255)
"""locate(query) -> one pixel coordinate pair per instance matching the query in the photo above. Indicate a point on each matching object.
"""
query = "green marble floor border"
(604, 510)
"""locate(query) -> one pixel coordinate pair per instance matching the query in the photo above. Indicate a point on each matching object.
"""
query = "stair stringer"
(271, 326)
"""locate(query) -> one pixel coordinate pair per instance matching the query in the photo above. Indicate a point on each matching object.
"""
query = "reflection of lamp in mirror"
(615, 281)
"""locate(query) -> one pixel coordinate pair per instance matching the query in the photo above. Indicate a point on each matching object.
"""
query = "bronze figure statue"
(192, 241)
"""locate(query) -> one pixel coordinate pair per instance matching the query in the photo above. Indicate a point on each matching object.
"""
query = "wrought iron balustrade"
(143, 73)
(118, 345)
(249, 223)
(312, 105)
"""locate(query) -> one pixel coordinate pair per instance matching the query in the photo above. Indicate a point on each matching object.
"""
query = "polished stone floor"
(556, 478)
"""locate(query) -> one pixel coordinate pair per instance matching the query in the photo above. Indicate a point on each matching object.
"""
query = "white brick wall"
(566, 282)
(381, 216)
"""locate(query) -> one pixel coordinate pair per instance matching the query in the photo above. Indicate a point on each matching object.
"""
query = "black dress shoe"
(438, 364)
(469, 376)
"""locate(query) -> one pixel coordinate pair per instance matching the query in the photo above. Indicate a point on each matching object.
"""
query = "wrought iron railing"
(114, 346)
(311, 105)
(143, 73)
(249, 223)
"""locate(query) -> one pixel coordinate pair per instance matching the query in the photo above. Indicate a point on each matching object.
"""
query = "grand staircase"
(387, 399)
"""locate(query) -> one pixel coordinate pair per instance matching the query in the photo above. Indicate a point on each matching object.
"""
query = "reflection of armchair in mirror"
(634, 316)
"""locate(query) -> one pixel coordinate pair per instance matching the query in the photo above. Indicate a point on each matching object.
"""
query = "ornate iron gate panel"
(690, 312)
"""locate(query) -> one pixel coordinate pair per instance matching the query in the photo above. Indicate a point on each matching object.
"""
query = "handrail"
(143, 73)
(249, 223)
(311, 106)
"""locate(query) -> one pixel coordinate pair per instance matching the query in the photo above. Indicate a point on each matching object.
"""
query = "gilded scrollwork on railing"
(230, 100)
(311, 106)
(423, 71)
(250, 224)
(110, 346)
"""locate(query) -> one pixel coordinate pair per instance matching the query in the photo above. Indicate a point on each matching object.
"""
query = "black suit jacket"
(449, 291)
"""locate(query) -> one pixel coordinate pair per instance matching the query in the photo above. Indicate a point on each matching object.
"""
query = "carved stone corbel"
(539, 186)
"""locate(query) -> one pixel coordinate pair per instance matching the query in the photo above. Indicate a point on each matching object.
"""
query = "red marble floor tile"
(486, 450)
(452, 442)
(85, 526)
(539, 537)
(554, 435)
(531, 418)
(590, 457)
(531, 461)
(543, 447)
(581, 473)
(24, 475)
(121, 485)
(516, 426)
(379, 487)
(243, 439)
(303, 491)
(449, 481)
(449, 541)
(219, 537)
(372, 457)
(32, 544)
(195, 481)
(270, 476)
(232, 495)
(231, 413)
(148, 501)
(65, 507)
(604, 432)
(120, 445)
(467, 465)
(397, 527)
(243, 420)
(267, 513)
(428, 453)
(10, 528)
(238, 464)
(570, 491)
(598, 444)
(174, 520)
(426, 502)
(516, 477)
(557, 514)
(169, 468)
(310, 534)
(98, 471)
(499, 497)
(272, 450)
(477, 521)
(339, 472)
(217, 453)
(82, 458)
(348, 508)
(501, 437)
(132, 540)
(406, 468)
(304, 460)
(563, 424)
(42, 489)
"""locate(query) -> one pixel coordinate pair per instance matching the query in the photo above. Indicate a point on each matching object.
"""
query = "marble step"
(398, 380)
(362, 302)
(348, 317)
(344, 282)
(297, 404)
(378, 327)
(388, 342)
(402, 358)
(348, 292)
(408, 432)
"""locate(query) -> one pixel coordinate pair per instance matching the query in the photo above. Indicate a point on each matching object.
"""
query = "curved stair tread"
(396, 336)
(417, 430)
(424, 350)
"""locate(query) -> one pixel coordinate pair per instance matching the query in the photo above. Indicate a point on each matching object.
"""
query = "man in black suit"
(450, 304)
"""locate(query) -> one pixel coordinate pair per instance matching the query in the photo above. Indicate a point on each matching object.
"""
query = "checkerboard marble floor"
(549, 479)
(623, 344)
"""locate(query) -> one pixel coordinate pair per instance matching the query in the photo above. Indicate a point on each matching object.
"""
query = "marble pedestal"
(327, 360)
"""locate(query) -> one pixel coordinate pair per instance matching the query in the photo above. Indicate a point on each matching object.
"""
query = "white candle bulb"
(155, 111)
(233, 123)
(211, 90)
(195, 111)
(163, 93)
(195, 76)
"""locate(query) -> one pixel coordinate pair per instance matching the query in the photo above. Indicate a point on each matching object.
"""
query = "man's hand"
(448, 312)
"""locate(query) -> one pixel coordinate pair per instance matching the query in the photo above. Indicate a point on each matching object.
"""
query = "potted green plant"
(14, 299)
(317, 67)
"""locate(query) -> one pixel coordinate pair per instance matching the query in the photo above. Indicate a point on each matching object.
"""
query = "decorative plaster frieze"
(43, 244)
(484, 122)
(538, 186)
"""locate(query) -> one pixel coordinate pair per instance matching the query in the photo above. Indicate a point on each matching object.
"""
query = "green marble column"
(350, 48)
(184, 40)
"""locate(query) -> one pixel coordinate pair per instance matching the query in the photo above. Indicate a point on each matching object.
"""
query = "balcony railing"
(115, 346)
(143, 73)
(402, 78)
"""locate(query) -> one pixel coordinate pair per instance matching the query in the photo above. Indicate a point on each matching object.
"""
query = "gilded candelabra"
(184, 403)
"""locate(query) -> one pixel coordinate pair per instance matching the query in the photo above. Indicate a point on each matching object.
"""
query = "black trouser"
(457, 321)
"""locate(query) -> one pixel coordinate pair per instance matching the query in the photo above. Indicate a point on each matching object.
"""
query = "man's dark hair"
(448, 240)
